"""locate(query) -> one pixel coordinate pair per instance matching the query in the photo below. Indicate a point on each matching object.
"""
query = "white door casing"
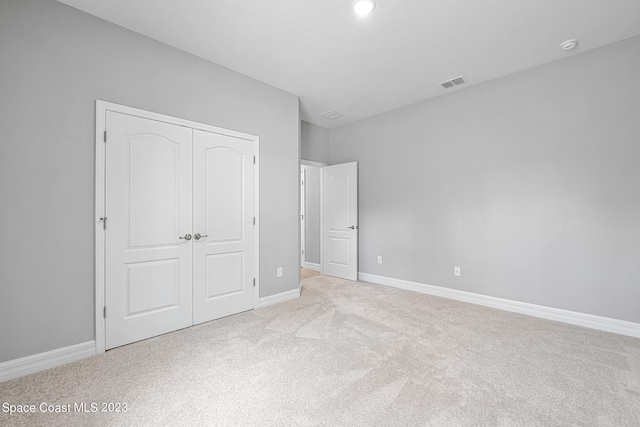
(223, 215)
(148, 206)
(340, 220)
(150, 189)
(303, 201)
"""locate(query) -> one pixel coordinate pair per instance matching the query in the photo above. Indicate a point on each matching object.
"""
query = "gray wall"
(530, 183)
(312, 212)
(56, 61)
(314, 142)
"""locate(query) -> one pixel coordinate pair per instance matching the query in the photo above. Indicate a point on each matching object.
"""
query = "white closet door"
(148, 208)
(223, 215)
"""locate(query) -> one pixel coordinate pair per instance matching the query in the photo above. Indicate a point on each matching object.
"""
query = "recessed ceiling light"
(569, 44)
(364, 7)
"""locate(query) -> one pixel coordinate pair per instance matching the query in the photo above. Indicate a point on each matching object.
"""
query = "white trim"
(301, 218)
(101, 110)
(278, 298)
(99, 237)
(256, 228)
(312, 266)
(50, 359)
(321, 223)
(591, 321)
(123, 109)
(312, 163)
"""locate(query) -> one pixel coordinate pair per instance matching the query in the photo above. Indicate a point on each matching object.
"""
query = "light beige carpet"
(305, 273)
(353, 354)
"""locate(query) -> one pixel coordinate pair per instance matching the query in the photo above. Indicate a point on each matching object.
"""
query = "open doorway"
(310, 215)
(329, 219)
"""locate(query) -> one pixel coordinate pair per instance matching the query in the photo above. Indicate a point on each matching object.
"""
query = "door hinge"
(105, 136)
(254, 160)
(254, 220)
(303, 252)
(254, 282)
(301, 216)
(104, 312)
(104, 222)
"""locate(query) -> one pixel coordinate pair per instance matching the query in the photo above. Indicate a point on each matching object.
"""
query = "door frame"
(318, 165)
(303, 212)
(100, 201)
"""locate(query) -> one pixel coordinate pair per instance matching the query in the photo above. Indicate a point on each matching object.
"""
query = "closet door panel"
(223, 216)
(148, 268)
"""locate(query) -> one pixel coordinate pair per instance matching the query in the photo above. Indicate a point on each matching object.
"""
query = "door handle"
(197, 236)
(353, 227)
(186, 237)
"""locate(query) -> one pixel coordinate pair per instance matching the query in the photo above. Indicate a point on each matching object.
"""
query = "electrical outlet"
(456, 271)
(379, 259)
(279, 272)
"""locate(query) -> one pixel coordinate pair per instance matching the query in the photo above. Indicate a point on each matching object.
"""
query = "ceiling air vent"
(453, 82)
(332, 115)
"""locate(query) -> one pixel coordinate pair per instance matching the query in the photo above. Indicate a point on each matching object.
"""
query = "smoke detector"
(569, 44)
(453, 82)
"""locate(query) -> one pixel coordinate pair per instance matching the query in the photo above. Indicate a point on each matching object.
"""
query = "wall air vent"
(332, 115)
(453, 82)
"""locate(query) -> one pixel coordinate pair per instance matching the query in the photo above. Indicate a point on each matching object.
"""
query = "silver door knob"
(353, 227)
(197, 236)
(186, 237)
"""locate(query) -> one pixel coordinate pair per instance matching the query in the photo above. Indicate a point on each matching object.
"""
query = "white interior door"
(148, 208)
(223, 215)
(340, 220)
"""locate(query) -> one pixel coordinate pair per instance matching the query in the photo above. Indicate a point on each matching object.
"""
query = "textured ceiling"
(335, 60)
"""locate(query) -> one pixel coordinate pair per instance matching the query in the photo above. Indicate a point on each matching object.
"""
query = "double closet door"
(180, 227)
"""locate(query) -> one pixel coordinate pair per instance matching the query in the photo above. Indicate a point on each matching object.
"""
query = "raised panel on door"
(148, 207)
(223, 215)
(340, 227)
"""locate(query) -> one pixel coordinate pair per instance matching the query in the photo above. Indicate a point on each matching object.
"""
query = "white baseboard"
(607, 324)
(278, 298)
(50, 359)
(312, 266)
